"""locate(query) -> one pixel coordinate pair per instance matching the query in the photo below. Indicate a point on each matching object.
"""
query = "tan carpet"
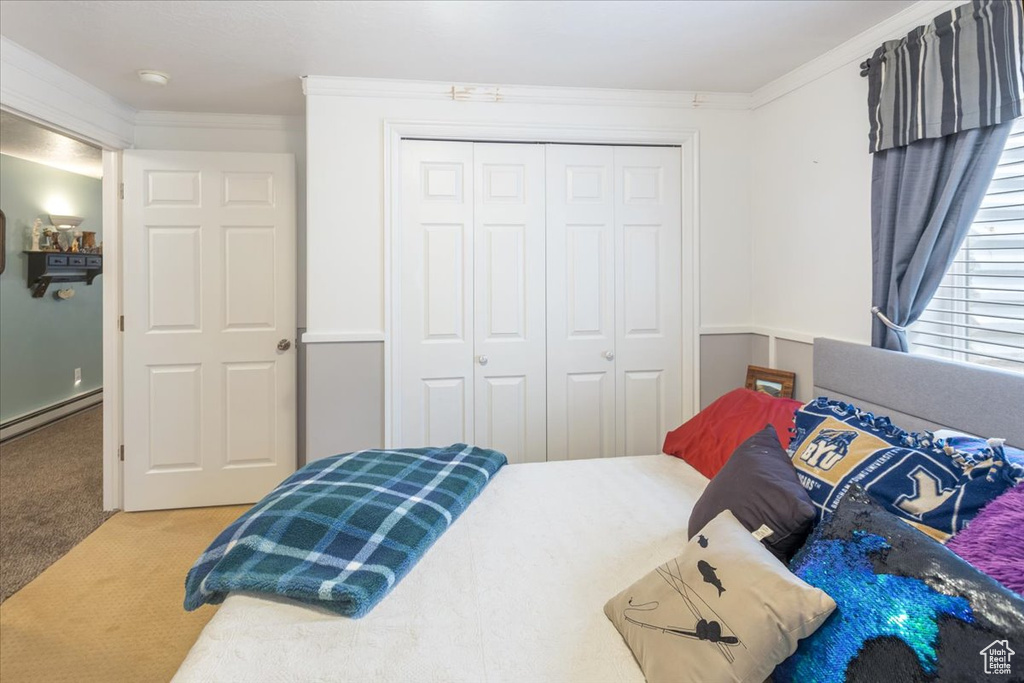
(110, 609)
(51, 495)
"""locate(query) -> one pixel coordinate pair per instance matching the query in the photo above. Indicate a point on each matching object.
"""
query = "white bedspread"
(514, 591)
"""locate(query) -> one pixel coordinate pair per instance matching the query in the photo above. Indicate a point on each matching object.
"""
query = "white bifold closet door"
(539, 298)
(581, 301)
(472, 362)
(614, 299)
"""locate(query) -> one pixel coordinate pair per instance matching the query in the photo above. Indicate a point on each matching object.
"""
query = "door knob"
(482, 360)
(284, 345)
(609, 355)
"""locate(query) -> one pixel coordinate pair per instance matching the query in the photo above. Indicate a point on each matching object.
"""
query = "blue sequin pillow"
(907, 608)
(928, 484)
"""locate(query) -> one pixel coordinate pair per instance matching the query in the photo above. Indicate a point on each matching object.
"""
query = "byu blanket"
(342, 531)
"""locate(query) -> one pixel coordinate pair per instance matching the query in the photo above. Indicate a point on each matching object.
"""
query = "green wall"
(42, 341)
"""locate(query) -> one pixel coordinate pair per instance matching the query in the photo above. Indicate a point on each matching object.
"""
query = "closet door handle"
(482, 360)
(609, 355)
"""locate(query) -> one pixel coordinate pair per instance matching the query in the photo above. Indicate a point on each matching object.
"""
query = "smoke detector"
(153, 77)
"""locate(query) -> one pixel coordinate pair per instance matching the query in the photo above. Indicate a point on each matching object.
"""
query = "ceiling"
(247, 57)
(26, 140)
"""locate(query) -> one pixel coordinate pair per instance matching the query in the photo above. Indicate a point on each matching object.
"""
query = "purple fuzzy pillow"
(992, 542)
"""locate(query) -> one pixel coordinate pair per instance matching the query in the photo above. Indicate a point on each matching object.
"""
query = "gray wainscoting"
(344, 398)
(797, 357)
(723, 362)
(724, 359)
(341, 408)
(300, 395)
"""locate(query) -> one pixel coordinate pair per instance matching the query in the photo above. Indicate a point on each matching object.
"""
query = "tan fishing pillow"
(724, 610)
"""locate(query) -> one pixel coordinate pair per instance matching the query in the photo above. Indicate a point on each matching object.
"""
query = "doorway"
(51, 346)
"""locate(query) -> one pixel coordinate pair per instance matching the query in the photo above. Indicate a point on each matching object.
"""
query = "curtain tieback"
(885, 321)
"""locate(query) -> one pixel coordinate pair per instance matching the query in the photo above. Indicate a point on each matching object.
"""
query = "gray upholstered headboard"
(922, 393)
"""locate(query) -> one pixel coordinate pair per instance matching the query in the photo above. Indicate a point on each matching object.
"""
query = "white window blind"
(977, 315)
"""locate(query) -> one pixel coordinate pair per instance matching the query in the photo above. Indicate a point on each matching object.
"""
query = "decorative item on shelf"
(66, 225)
(777, 383)
(88, 241)
(37, 231)
(49, 240)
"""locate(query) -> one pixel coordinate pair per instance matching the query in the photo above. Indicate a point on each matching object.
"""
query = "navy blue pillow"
(758, 484)
(907, 608)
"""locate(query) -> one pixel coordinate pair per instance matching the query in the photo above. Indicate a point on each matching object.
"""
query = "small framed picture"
(777, 383)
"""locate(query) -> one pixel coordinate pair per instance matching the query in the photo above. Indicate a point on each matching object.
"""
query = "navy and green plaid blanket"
(342, 531)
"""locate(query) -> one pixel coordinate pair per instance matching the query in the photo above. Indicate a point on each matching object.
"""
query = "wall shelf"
(45, 267)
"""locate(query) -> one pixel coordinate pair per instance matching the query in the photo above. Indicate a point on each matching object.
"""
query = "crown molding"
(856, 49)
(40, 90)
(177, 119)
(339, 86)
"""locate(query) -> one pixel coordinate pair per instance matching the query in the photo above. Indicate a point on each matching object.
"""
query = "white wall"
(810, 195)
(346, 196)
(346, 233)
(811, 202)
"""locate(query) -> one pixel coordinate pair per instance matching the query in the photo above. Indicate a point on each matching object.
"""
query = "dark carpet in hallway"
(51, 496)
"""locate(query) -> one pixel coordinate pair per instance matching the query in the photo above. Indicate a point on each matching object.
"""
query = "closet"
(539, 298)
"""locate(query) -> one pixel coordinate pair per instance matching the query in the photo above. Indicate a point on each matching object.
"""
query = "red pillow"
(708, 439)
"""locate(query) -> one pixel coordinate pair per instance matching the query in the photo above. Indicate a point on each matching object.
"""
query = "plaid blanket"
(342, 531)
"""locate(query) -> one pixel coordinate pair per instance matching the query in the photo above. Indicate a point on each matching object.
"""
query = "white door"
(436, 294)
(581, 302)
(209, 327)
(648, 305)
(509, 319)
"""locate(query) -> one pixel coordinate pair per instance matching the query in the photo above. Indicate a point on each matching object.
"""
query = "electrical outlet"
(78, 375)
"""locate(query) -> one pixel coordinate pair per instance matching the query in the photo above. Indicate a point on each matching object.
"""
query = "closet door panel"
(436, 294)
(509, 300)
(581, 302)
(648, 306)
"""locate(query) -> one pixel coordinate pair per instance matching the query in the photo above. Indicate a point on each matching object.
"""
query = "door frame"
(111, 147)
(395, 131)
(113, 341)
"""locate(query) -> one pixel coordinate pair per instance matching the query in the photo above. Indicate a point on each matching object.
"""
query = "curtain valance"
(963, 70)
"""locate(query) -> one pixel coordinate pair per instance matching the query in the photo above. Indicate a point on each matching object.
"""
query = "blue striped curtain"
(963, 70)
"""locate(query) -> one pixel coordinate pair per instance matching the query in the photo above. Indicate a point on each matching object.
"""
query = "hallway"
(51, 495)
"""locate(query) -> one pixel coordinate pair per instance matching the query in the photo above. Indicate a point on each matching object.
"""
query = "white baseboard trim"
(30, 422)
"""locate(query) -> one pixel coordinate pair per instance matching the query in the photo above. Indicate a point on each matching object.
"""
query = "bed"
(514, 590)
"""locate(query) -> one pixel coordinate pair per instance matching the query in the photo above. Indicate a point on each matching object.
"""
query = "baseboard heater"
(30, 422)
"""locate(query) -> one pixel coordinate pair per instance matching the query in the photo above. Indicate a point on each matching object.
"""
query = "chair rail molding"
(773, 334)
(39, 90)
(328, 337)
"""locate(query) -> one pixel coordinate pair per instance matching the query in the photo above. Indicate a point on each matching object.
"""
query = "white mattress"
(514, 591)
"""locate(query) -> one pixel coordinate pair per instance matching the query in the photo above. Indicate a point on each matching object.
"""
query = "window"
(977, 315)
